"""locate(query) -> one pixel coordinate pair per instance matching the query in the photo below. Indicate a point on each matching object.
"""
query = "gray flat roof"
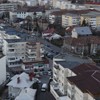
(14, 40)
(68, 64)
(72, 58)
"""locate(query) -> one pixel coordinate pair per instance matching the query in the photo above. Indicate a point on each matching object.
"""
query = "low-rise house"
(48, 33)
(18, 83)
(81, 31)
(27, 94)
(35, 66)
(34, 58)
(88, 45)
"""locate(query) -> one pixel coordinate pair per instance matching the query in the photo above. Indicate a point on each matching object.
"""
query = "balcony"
(56, 67)
(30, 51)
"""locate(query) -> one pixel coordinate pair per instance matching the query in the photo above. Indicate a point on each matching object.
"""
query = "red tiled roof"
(93, 3)
(88, 82)
(49, 31)
(82, 40)
(78, 12)
(84, 68)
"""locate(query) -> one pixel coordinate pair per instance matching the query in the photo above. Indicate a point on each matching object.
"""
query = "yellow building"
(70, 20)
(92, 18)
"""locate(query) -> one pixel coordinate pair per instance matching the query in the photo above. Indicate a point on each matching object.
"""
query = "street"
(48, 47)
(45, 96)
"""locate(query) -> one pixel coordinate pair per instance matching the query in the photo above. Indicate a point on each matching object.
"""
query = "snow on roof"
(24, 81)
(55, 36)
(26, 94)
(83, 30)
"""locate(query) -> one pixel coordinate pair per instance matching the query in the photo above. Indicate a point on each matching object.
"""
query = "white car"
(44, 87)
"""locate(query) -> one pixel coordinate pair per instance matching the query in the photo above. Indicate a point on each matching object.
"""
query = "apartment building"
(84, 86)
(70, 19)
(34, 59)
(92, 18)
(62, 68)
(27, 11)
(56, 17)
(85, 45)
(8, 6)
(2, 68)
(15, 50)
(34, 51)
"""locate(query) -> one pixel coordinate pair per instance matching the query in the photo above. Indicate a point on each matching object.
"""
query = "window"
(11, 50)
(11, 58)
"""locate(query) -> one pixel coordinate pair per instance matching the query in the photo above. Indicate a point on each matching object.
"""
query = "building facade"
(15, 50)
(2, 68)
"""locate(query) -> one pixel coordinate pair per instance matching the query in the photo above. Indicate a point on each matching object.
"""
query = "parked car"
(57, 52)
(37, 76)
(44, 87)
(49, 55)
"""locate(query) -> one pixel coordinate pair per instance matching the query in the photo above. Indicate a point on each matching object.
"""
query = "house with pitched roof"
(18, 83)
(81, 31)
(86, 85)
(88, 45)
(26, 94)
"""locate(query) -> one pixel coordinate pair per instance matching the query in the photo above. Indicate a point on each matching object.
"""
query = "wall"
(2, 69)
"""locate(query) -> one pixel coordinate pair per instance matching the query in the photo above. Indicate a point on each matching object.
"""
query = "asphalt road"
(45, 96)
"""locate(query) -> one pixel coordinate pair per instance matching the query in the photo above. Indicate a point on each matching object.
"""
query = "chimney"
(18, 80)
(30, 76)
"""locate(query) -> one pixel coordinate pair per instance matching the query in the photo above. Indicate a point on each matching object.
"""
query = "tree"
(84, 23)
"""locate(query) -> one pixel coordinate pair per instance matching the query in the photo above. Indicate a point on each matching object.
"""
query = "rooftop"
(65, 11)
(14, 40)
(32, 9)
(68, 64)
(82, 40)
(68, 57)
(84, 68)
(88, 82)
(83, 30)
(26, 94)
(24, 81)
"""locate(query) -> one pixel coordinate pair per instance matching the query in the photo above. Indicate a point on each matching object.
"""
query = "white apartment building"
(15, 50)
(83, 86)
(62, 68)
(27, 11)
(8, 6)
(2, 68)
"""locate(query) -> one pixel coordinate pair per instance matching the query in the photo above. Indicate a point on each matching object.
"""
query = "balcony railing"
(56, 67)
